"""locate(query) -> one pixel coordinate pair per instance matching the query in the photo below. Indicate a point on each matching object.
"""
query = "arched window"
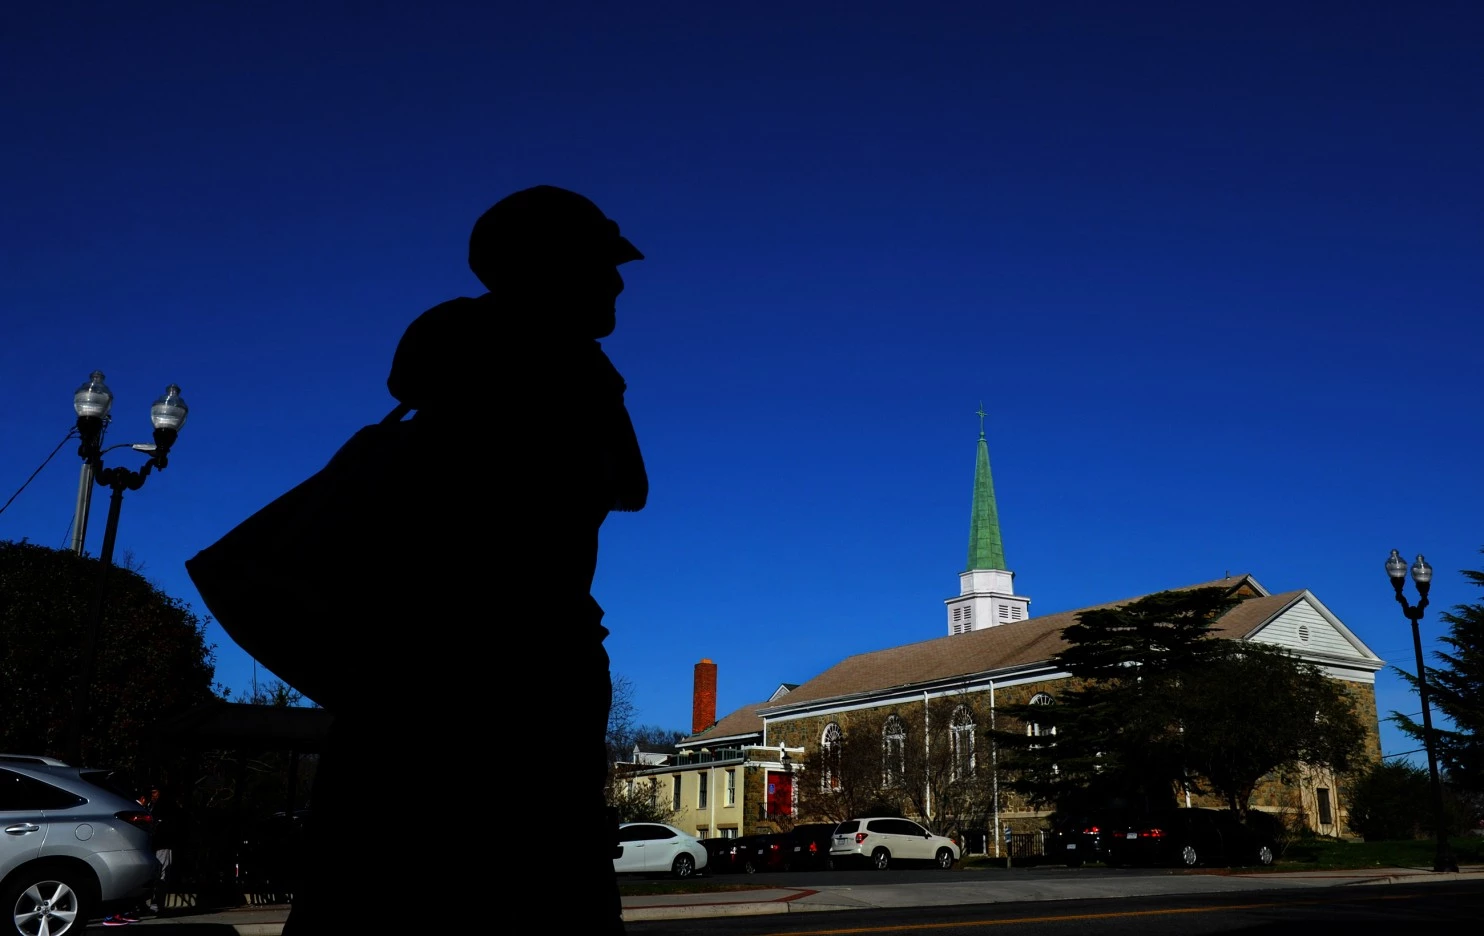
(829, 747)
(1036, 729)
(961, 740)
(893, 751)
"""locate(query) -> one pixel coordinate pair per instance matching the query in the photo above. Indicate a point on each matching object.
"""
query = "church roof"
(744, 721)
(1034, 640)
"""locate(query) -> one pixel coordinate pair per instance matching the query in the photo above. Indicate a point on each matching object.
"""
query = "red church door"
(780, 794)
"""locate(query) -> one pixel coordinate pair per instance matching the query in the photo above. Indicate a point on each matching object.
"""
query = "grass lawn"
(1328, 854)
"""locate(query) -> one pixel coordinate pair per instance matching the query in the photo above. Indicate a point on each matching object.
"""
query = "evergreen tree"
(1114, 737)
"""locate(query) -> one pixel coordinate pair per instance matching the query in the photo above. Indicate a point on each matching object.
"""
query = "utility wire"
(65, 439)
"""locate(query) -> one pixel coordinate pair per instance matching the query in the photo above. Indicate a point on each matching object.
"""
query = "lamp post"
(92, 402)
(1396, 569)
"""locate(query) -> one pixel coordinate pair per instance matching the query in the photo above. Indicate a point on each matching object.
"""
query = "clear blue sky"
(1213, 269)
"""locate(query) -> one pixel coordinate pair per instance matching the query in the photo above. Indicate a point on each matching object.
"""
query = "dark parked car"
(764, 852)
(807, 846)
(1078, 839)
(724, 855)
(1189, 837)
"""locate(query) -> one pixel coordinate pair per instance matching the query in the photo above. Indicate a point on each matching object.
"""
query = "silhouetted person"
(167, 827)
(483, 517)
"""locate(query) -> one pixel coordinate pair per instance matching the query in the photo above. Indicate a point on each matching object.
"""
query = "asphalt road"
(1434, 907)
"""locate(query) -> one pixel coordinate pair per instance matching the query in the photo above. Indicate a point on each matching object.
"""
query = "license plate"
(1072, 847)
(798, 848)
(1132, 835)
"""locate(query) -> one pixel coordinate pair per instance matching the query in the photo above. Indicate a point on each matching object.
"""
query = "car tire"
(750, 867)
(684, 866)
(1188, 857)
(944, 859)
(880, 859)
(56, 898)
(1265, 855)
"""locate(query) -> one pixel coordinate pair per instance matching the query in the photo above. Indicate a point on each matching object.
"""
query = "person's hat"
(545, 224)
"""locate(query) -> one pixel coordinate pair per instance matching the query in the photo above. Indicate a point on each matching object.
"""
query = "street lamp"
(1396, 569)
(92, 403)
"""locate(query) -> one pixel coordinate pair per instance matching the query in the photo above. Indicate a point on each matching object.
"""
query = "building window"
(968, 613)
(961, 739)
(958, 614)
(1304, 633)
(829, 748)
(729, 833)
(893, 752)
(1015, 612)
(675, 800)
(1004, 612)
(702, 783)
(1036, 729)
(731, 799)
(1326, 816)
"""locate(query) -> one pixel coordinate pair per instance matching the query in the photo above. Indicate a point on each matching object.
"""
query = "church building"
(743, 773)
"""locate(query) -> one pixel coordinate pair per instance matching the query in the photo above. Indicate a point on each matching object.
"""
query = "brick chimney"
(703, 698)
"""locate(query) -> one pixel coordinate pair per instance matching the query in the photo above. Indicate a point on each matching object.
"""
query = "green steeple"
(985, 549)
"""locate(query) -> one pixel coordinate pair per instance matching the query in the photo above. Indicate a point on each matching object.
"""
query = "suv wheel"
(1264, 855)
(1189, 857)
(880, 859)
(684, 866)
(945, 858)
(46, 902)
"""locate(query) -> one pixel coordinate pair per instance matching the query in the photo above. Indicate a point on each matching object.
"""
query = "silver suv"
(887, 841)
(72, 846)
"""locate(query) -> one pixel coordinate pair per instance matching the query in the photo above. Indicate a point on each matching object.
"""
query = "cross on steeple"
(981, 414)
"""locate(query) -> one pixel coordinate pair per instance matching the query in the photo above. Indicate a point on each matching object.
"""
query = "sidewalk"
(970, 887)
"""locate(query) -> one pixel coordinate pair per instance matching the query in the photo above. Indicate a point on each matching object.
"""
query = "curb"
(1426, 877)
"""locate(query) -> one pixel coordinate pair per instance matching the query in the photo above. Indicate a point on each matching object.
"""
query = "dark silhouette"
(431, 587)
(167, 822)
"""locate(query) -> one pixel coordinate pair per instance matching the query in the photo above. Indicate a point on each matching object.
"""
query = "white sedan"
(657, 848)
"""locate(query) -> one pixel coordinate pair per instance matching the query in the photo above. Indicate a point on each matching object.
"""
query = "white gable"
(1310, 630)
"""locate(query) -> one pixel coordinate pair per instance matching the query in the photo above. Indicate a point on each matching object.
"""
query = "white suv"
(883, 841)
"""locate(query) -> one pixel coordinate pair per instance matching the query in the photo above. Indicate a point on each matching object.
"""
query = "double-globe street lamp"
(92, 402)
(1396, 569)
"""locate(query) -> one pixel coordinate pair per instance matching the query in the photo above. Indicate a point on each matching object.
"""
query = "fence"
(1027, 847)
